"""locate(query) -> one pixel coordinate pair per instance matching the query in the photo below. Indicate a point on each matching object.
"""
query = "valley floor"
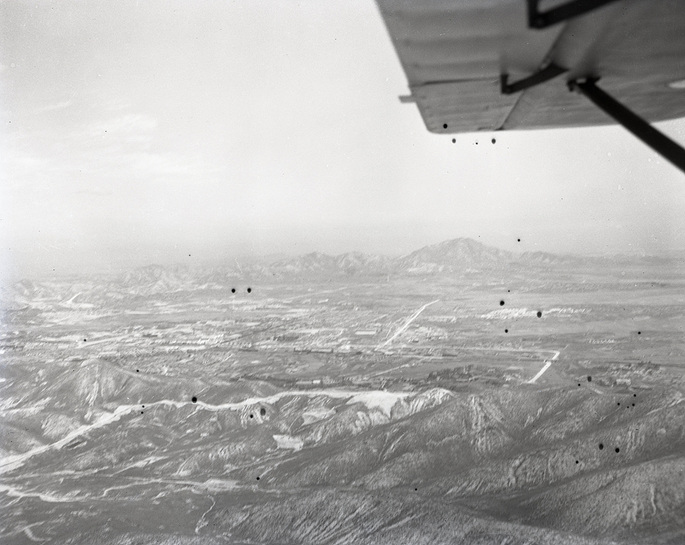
(497, 409)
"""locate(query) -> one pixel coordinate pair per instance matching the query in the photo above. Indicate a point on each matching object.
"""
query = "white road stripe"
(406, 324)
(547, 365)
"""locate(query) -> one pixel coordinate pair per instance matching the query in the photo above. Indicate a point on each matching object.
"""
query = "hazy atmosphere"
(247, 297)
(144, 132)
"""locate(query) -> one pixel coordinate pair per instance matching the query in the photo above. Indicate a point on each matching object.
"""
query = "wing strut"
(572, 8)
(549, 72)
(659, 142)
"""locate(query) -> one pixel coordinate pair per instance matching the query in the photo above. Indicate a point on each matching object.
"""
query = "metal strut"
(659, 142)
(541, 76)
(569, 10)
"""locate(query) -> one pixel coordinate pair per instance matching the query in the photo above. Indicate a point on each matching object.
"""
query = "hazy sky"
(139, 132)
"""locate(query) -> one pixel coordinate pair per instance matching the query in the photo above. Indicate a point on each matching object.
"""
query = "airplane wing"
(485, 65)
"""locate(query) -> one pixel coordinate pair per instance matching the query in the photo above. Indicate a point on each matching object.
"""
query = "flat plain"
(456, 395)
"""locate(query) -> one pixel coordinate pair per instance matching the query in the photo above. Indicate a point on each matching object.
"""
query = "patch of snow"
(314, 415)
(509, 313)
(384, 401)
(288, 442)
(218, 485)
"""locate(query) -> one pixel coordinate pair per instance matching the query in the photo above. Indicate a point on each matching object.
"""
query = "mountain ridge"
(450, 257)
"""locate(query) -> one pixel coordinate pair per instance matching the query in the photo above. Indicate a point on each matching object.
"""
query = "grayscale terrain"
(458, 394)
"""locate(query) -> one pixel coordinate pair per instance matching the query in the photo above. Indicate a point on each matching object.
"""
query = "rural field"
(459, 394)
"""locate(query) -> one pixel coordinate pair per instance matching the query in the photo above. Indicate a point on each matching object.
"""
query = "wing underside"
(455, 52)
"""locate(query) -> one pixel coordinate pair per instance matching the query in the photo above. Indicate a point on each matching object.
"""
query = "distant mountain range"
(452, 257)
(459, 255)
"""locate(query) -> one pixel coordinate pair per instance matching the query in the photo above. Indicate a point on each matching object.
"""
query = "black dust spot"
(188, 255)
(262, 411)
(618, 404)
(141, 412)
(232, 290)
(518, 240)
(476, 142)
(444, 125)
(506, 331)
(143, 406)
(601, 446)
(639, 332)
(454, 140)
(249, 290)
(579, 384)
(137, 370)
(501, 303)
(85, 340)
(257, 477)
(416, 490)
(589, 379)
(539, 314)
(194, 400)
(577, 462)
(617, 450)
(251, 416)
(633, 404)
(508, 291)
(634, 395)
(493, 140)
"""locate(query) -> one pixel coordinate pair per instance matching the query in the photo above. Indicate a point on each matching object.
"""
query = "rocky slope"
(512, 465)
